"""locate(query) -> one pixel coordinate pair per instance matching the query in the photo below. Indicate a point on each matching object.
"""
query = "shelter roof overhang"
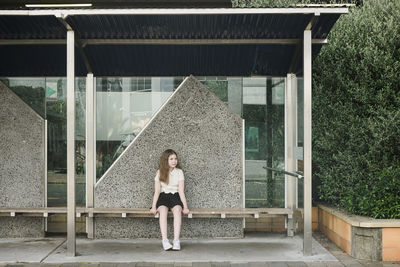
(161, 42)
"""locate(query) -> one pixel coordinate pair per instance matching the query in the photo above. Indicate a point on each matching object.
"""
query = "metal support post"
(307, 53)
(71, 238)
(90, 149)
(290, 146)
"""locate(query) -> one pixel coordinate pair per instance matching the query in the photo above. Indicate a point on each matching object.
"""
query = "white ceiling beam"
(197, 41)
(85, 42)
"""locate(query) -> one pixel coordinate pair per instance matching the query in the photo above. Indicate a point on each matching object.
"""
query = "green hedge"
(356, 108)
(356, 112)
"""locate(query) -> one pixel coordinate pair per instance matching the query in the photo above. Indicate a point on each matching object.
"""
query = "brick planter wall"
(391, 244)
(361, 237)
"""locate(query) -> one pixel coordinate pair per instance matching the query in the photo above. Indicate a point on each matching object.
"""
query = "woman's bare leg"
(177, 211)
(163, 211)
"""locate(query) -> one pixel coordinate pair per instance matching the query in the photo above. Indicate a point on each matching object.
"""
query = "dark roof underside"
(159, 60)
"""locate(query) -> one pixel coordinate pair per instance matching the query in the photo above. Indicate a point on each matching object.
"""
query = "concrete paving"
(254, 248)
(272, 247)
(27, 249)
(261, 249)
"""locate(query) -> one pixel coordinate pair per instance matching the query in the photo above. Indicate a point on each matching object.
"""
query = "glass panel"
(300, 134)
(263, 111)
(124, 107)
(228, 90)
(56, 114)
(47, 96)
(57, 141)
(80, 141)
(217, 85)
(30, 90)
(219, 88)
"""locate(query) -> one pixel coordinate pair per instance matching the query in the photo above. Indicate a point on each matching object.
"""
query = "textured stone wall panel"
(21, 164)
(366, 243)
(21, 153)
(120, 228)
(207, 136)
(21, 227)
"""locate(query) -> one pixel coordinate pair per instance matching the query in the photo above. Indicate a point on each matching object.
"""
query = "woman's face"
(172, 161)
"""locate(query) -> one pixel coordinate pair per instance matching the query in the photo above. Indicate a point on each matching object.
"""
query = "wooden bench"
(129, 212)
(31, 212)
(144, 213)
(194, 213)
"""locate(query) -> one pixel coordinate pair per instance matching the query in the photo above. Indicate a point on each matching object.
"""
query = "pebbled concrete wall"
(21, 227)
(21, 162)
(207, 136)
(366, 243)
(121, 228)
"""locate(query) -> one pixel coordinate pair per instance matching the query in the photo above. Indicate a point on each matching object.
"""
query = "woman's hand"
(153, 211)
(185, 211)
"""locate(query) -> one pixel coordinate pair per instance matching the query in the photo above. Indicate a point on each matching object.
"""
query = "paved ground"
(274, 250)
(343, 258)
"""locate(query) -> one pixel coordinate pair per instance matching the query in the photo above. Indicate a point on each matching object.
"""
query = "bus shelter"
(148, 42)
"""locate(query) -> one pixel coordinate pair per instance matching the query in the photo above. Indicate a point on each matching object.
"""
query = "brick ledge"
(360, 221)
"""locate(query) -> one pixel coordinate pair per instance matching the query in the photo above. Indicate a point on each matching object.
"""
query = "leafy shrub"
(356, 112)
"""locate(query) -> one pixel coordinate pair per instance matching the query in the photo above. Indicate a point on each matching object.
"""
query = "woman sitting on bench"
(169, 194)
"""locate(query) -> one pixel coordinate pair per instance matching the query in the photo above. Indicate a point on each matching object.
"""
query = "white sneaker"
(166, 244)
(177, 245)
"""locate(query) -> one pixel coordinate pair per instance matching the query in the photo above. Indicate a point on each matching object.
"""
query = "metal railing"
(297, 174)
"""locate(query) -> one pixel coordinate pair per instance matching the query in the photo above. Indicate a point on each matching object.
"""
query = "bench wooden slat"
(143, 212)
(35, 210)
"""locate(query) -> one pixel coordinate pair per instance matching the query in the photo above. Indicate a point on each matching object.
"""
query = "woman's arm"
(157, 189)
(181, 189)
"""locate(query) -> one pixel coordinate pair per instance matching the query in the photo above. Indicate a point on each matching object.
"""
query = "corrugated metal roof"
(37, 60)
(155, 60)
(142, 60)
(226, 26)
(31, 27)
(323, 26)
(246, 26)
(158, 60)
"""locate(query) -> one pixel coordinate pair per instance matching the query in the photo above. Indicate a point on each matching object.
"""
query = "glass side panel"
(47, 96)
(218, 87)
(30, 90)
(57, 141)
(126, 104)
(264, 114)
(300, 134)
(228, 90)
(124, 107)
(56, 114)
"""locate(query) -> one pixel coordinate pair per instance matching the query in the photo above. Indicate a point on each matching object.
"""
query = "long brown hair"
(164, 167)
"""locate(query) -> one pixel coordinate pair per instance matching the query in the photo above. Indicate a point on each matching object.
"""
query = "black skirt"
(169, 200)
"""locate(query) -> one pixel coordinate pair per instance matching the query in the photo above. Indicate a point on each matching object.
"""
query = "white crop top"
(174, 177)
